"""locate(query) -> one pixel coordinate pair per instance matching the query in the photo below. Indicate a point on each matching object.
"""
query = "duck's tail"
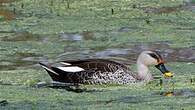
(64, 74)
(59, 81)
(54, 75)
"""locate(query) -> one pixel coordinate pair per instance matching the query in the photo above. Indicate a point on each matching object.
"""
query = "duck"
(104, 71)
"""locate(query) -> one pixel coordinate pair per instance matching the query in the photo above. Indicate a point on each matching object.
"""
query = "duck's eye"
(156, 56)
(153, 55)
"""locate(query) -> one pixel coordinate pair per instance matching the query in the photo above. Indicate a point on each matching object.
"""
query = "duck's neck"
(143, 71)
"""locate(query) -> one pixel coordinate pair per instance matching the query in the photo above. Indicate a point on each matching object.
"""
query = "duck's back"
(91, 71)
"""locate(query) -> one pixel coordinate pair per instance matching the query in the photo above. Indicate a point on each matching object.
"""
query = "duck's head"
(147, 58)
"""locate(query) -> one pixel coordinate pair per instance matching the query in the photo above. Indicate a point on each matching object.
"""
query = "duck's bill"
(163, 69)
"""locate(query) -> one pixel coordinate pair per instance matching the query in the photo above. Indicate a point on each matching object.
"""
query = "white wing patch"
(64, 63)
(71, 69)
(50, 70)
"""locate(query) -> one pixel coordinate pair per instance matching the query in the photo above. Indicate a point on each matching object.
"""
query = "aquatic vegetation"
(39, 30)
(51, 17)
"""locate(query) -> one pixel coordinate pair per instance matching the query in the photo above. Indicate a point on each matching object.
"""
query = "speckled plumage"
(96, 71)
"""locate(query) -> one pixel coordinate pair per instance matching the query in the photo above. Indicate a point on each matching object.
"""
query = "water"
(127, 55)
(190, 4)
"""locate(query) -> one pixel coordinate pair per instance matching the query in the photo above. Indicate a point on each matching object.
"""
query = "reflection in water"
(169, 94)
(147, 98)
(153, 97)
(181, 92)
(168, 89)
(138, 99)
(168, 86)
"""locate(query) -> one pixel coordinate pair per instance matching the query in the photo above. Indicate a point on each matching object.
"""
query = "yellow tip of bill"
(168, 74)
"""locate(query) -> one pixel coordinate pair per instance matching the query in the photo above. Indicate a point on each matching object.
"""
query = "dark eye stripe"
(156, 56)
(153, 55)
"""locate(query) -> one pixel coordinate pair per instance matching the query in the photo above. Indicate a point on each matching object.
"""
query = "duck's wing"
(77, 71)
(102, 65)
